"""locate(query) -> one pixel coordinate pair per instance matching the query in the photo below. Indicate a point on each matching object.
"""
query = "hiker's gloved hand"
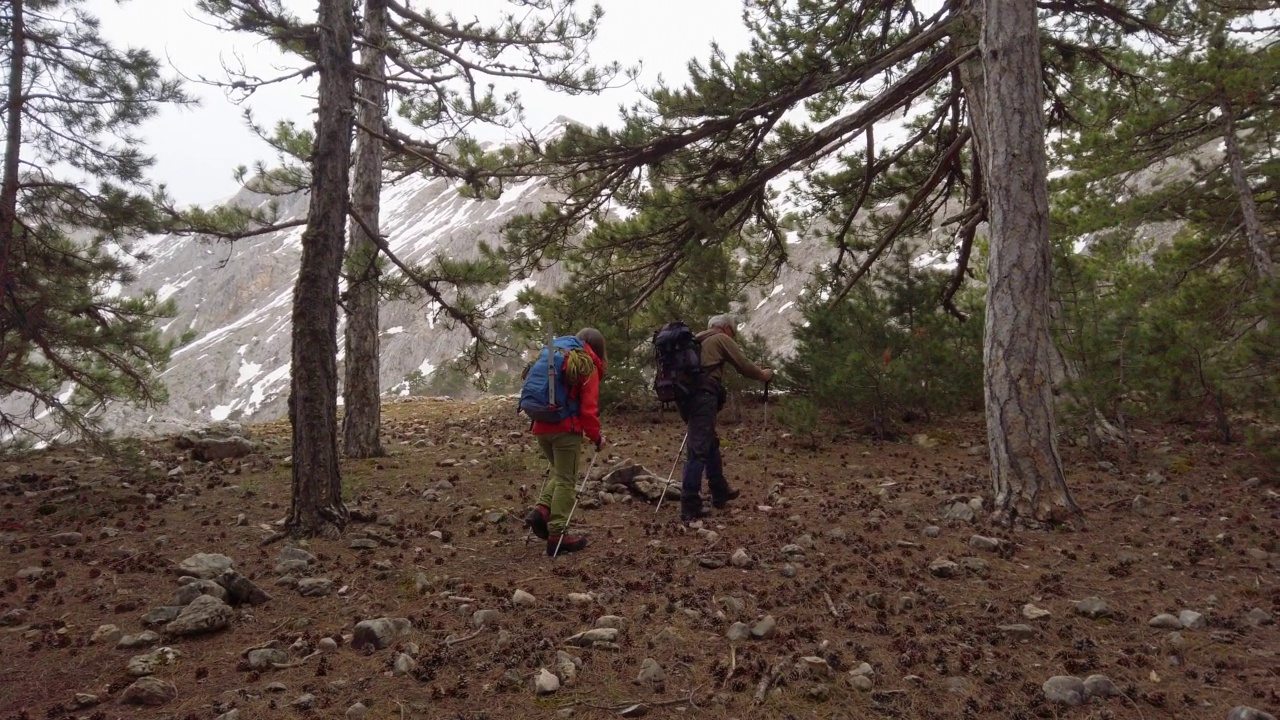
(768, 375)
(600, 443)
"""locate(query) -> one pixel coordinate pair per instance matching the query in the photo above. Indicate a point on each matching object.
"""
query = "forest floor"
(863, 591)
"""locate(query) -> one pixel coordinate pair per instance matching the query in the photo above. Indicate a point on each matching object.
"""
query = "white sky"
(197, 149)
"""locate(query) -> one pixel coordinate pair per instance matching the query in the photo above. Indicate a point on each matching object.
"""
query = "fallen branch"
(451, 641)
(624, 705)
(775, 673)
(831, 605)
(733, 665)
(295, 663)
(272, 539)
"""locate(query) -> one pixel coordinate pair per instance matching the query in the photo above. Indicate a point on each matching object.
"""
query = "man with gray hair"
(699, 410)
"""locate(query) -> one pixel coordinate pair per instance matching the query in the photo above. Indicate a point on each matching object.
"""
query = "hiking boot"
(537, 520)
(733, 494)
(689, 516)
(691, 509)
(568, 544)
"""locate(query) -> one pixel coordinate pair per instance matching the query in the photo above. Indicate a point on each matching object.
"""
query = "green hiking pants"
(564, 452)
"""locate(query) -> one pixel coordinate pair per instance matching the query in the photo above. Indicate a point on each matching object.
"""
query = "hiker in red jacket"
(562, 443)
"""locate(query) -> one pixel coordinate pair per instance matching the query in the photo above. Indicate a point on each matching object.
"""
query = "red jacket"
(587, 421)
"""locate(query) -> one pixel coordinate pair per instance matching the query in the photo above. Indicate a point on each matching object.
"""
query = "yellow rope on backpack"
(579, 366)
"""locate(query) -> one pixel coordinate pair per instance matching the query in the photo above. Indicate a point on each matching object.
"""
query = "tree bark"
(317, 505)
(12, 144)
(1253, 234)
(1026, 470)
(362, 401)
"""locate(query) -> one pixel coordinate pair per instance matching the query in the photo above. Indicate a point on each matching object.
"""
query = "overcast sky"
(197, 149)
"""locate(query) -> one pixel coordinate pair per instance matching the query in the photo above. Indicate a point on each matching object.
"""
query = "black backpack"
(677, 360)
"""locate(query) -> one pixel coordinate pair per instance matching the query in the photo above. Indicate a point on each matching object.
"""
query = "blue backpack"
(544, 397)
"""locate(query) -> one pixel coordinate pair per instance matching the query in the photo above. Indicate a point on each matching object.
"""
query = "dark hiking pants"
(699, 413)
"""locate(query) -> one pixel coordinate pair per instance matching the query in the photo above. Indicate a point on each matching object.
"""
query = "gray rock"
(863, 670)
(106, 634)
(206, 566)
(230, 715)
(1165, 621)
(357, 711)
(1244, 712)
(291, 553)
(146, 638)
(290, 567)
(214, 449)
(67, 539)
(85, 700)
(1141, 505)
(327, 644)
(265, 658)
(788, 570)
(591, 637)
(186, 594)
(363, 544)
(148, 664)
(959, 511)
(765, 629)
(1100, 686)
(1093, 607)
(814, 667)
(149, 691)
(495, 517)
(1191, 619)
(1258, 616)
(1019, 631)
(162, 615)
(241, 590)
(861, 683)
(546, 682)
(983, 543)
(932, 531)
(205, 614)
(943, 568)
(975, 565)
(1065, 690)
(1175, 640)
(651, 673)
(485, 618)
(740, 558)
(315, 587)
(379, 633)
(304, 702)
(792, 550)
(14, 617)
(523, 599)
(405, 664)
(33, 573)
(739, 632)
(616, 622)
(276, 687)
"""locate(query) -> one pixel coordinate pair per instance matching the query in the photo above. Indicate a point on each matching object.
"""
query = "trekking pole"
(671, 474)
(581, 489)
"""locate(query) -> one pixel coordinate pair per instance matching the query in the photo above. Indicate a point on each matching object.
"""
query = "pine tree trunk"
(317, 483)
(362, 402)
(12, 146)
(1026, 469)
(1253, 234)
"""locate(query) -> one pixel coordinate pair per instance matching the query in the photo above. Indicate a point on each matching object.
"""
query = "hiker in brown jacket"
(699, 411)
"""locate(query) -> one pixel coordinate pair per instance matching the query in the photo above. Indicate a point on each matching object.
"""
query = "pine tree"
(362, 400)
(1182, 327)
(435, 66)
(702, 164)
(73, 198)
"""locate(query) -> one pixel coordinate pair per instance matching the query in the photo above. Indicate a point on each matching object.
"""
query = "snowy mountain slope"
(237, 301)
